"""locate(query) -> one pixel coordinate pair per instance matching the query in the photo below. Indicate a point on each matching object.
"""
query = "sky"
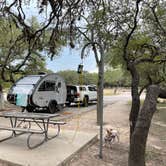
(69, 59)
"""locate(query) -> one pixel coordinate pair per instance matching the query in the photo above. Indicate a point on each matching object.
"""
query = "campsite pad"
(54, 152)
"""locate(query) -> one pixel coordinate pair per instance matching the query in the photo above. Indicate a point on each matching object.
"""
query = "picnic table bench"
(40, 120)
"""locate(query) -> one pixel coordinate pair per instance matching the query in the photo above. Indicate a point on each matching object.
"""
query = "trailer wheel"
(53, 107)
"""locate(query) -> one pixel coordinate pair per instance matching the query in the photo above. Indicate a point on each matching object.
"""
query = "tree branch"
(131, 32)
(157, 20)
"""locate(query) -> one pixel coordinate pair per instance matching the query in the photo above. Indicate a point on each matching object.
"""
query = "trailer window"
(47, 86)
(59, 85)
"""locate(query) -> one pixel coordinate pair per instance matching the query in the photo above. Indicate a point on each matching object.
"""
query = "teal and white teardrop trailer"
(39, 92)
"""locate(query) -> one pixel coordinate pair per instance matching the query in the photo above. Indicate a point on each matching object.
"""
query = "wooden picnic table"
(19, 119)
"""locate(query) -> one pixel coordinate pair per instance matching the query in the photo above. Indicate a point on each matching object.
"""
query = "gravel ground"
(116, 117)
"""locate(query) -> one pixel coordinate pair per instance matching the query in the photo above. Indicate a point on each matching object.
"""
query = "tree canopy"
(130, 32)
(13, 56)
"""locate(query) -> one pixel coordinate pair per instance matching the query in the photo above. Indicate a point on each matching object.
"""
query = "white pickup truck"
(81, 94)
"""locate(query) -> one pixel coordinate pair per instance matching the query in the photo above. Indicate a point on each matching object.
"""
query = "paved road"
(108, 100)
(126, 96)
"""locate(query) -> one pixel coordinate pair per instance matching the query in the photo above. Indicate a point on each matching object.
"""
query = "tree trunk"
(135, 97)
(139, 136)
(1, 98)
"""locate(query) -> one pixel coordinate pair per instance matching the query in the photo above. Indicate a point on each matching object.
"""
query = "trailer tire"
(53, 107)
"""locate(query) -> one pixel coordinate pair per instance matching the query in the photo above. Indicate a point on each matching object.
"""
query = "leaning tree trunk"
(139, 136)
(1, 98)
(135, 97)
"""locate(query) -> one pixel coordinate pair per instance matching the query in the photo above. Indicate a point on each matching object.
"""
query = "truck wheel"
(52, 106)
(68, 104)
(85, 101)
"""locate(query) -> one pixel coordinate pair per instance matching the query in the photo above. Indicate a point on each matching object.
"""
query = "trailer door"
(45, 93)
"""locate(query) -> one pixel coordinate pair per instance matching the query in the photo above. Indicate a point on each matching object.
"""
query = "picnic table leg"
(15, 125)
(49, 138)
(45, 127)
(24, 121)
(12, 125)
(30, 146)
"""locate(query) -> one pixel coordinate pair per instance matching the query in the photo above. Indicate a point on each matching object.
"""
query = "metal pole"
(101, 134)
(100, 88)
(101, 76)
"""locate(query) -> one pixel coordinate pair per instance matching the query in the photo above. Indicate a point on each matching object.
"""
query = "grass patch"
(160, 115)
(129, 102)
(110, 92)
(159, 120)
(161, 105)
(151, 155)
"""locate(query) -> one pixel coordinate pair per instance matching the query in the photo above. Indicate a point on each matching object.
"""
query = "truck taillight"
(77, 95)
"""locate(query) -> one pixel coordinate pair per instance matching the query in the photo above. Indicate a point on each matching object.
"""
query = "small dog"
(111, 136)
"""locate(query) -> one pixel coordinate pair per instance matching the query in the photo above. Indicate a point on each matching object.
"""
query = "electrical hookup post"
(80, 68)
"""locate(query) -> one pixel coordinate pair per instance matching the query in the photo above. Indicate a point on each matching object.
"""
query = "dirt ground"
(116, 117)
